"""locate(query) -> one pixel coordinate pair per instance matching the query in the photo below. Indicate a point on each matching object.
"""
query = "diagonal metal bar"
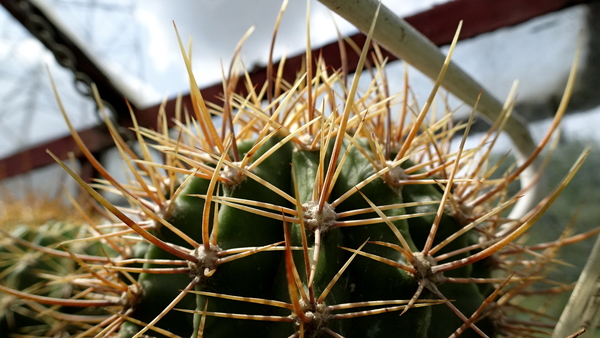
(406, 42)
(50, 31)
(438, 24)
(583, 308)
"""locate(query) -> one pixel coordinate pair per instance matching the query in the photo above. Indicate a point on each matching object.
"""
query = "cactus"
(314, 214)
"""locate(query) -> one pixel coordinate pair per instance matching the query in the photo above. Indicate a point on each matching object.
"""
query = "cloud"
(156, 38)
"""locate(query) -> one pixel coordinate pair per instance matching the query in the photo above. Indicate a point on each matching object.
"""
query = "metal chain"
(43, 30)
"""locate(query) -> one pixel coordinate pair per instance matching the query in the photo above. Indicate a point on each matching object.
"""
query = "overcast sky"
(139, 47)
(538, 53)
(216, 26)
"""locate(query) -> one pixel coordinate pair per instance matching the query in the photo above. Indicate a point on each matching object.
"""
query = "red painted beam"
(438, 24)
(96, 139)
(481, 16)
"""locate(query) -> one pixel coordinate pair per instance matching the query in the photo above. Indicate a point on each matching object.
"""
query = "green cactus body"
(10, 318)
(26, 274)
(372, 282)
(48, 235)
(330, 258)
(364, 281)
(160, 289)
(466, 297)
(251, 276)
(11, 249)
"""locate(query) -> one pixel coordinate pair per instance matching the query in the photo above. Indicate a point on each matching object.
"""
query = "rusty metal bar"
(95, 138)
(438, 24)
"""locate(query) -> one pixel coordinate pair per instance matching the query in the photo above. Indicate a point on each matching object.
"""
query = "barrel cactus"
(32, 266)
(322, 211)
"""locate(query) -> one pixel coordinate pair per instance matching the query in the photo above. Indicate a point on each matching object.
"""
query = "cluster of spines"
(226, 204)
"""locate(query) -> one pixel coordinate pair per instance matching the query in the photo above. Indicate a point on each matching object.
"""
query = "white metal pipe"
(404, 41)
(583, 308)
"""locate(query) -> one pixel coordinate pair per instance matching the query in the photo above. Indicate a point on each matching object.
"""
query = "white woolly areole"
(319, 315)
(314, 219)
(232, 175)
(207, 261)
(131, 298)
(395, 174)
(307, 141)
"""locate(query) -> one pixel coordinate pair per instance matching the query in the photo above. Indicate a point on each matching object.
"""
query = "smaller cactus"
(29, 269)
